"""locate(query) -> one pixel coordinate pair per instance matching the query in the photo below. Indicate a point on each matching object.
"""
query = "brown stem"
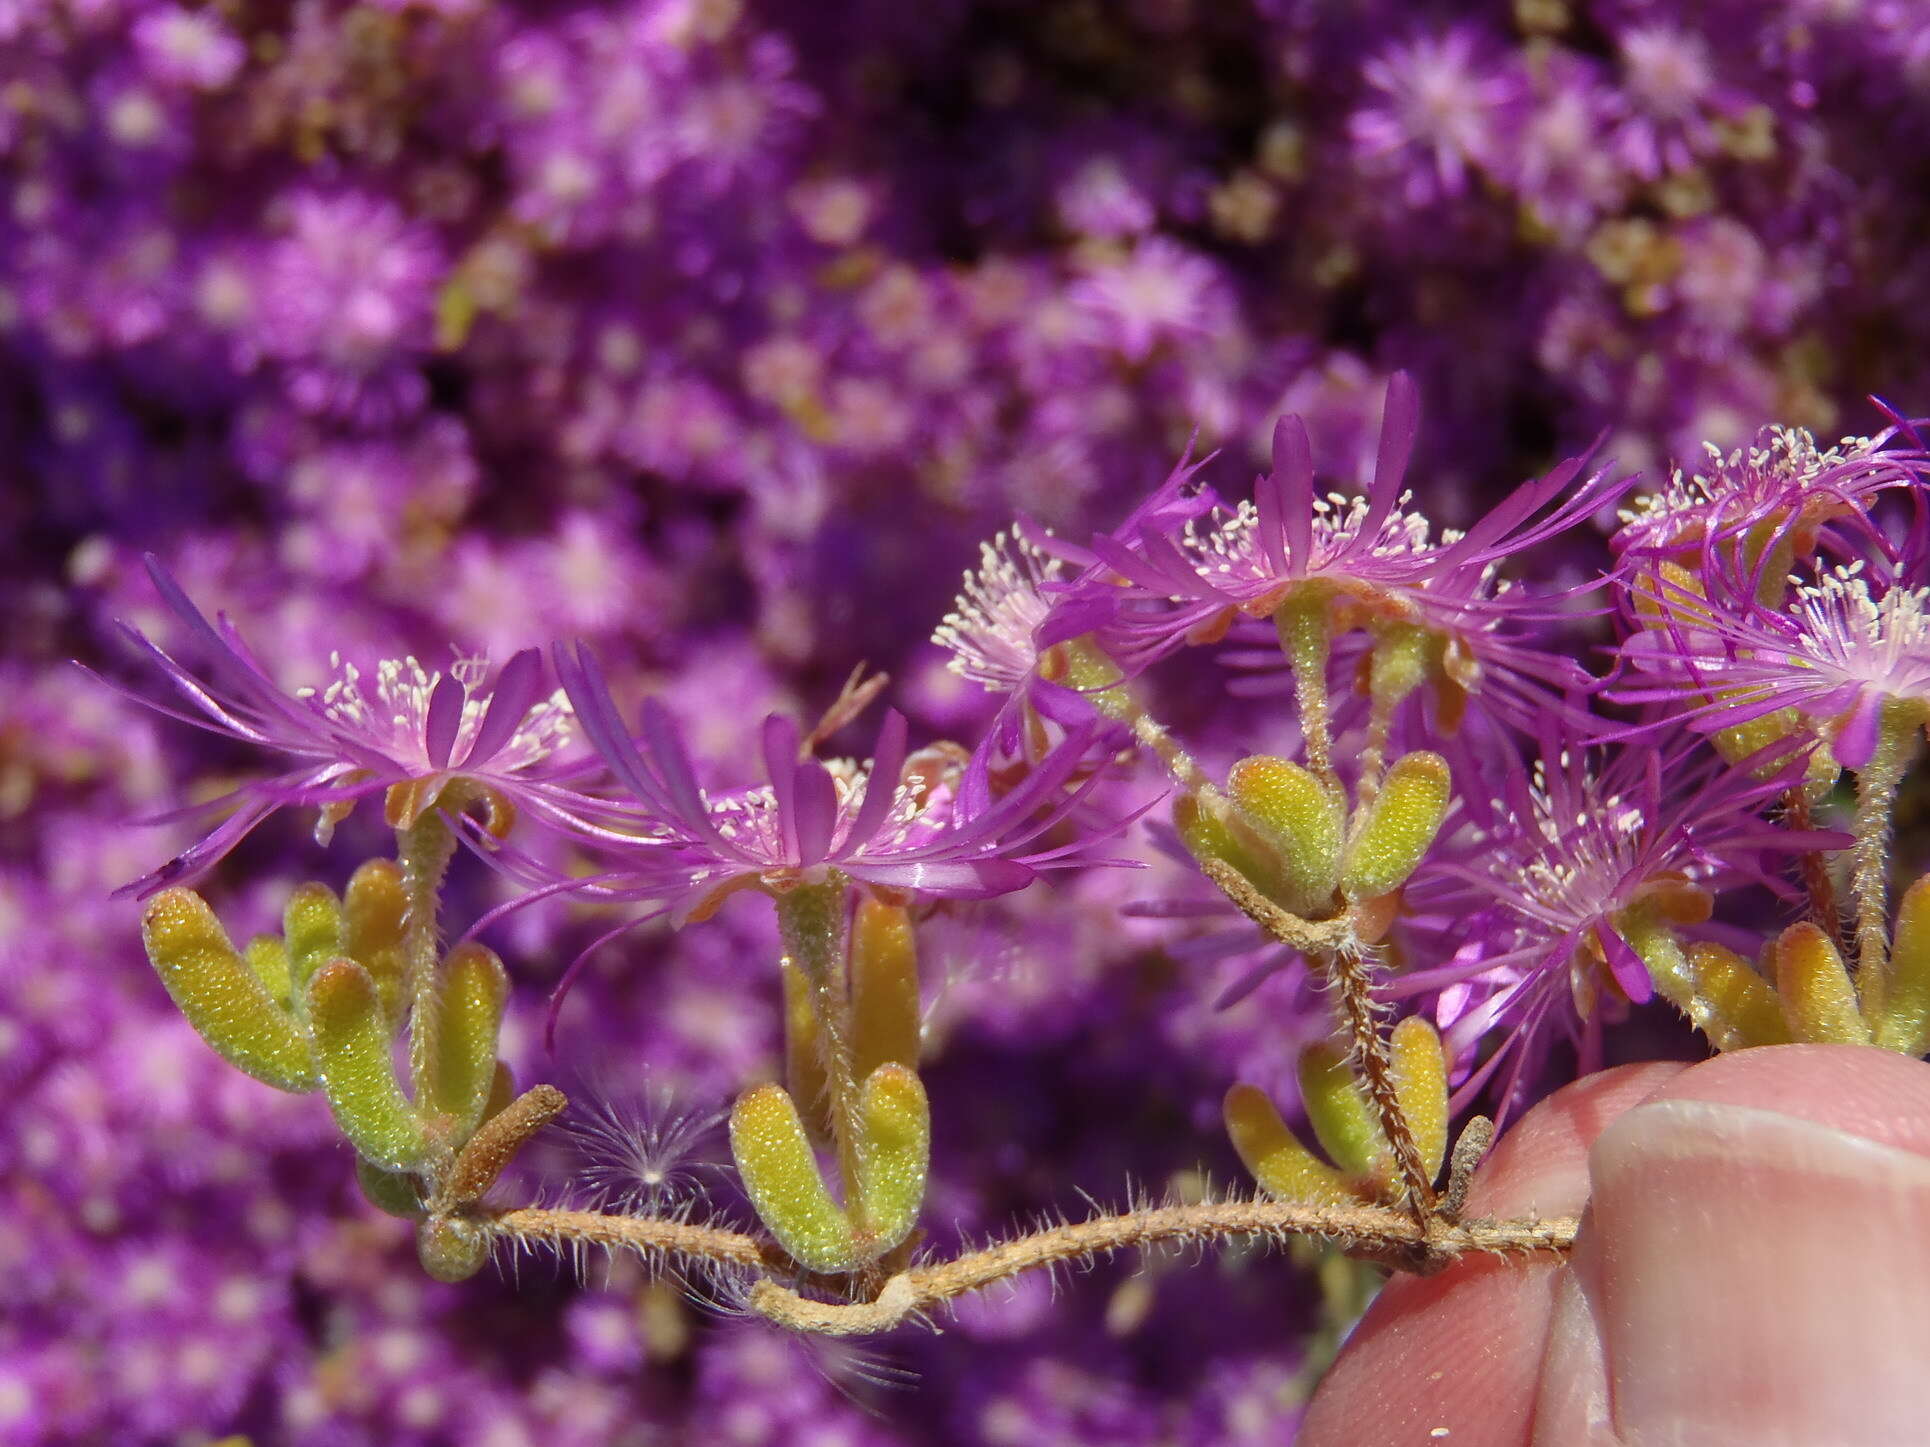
(1348, 970)
(639, 1233)
(1818, 887)
(1371, 1231)
(1306, 935)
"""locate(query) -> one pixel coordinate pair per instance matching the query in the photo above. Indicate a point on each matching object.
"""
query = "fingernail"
(1759, 1278)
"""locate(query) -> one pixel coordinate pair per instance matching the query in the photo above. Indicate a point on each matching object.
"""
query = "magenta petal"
(509, 704)
(780, 740)
(973, 879)
(445, 718)
(1400, 419)
(814, 813)
(1627, 967)
(1855, 743)
(590, 696)
(672, 766)
(1293, 479)
(887, 763)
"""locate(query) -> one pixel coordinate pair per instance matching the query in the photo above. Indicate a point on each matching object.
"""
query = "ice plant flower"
(1370, 561)
(1001, 628)
(1837, 653)
(1566, 889)
(1435, 115)
(411, 734)
(1782, 485)
(923, 824)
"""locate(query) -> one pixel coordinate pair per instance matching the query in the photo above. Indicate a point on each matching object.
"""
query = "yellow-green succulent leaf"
(451, 1249)
(781, 1178)
(1733, 1005)
(1421, 1083)
(394, 1192)
(1818, 1000)
(1302, 823)
(1274, 1155)
(267, 956)
(1905, 1025)
(502, 1090)
(312, 931)
(1660, 949)
(1217, 833)
(1400, 826)
(885, 1016)
(373, 909)
(893, 1151)
(351, 1040)
(220, 995)
(803, 1053)
(1398, 664)
(475, 988)
(1337, 1109)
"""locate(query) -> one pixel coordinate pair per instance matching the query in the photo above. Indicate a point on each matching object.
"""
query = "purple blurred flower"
(1438, 114)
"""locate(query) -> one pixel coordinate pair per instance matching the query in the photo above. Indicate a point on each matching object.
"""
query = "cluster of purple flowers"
(717, 334)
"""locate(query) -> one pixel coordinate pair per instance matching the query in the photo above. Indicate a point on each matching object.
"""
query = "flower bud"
(884, 987)
(1302, 821)
(1819, 1002)
(893, 1155)
(1284, 1167)
(474, 989)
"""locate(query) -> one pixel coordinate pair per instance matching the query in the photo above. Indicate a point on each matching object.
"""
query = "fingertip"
(1540, 1167)
(1876, 1094)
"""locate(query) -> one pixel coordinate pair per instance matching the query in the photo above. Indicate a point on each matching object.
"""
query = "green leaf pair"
(1290, 833)
(1344, 1123)
(891, 1152)
(320, 1007)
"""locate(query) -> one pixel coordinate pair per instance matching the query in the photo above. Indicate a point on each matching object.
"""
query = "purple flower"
(1158, 291)
(348, 304)
(1532, 899)
(1437, 109)
(411, 734)
(1836, 651)
(927, 823)
(1375, 559)
(1810, 495)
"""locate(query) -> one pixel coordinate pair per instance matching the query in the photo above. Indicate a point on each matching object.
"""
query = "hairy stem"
(1306, 935)
(424, 849)
(1876, 791)
(1818, 888)
(1374, 1232)
(1088, 669)
(811, 926)
(639, 1233)
(1370, 1231)
(1305, 639)
(1348, 970)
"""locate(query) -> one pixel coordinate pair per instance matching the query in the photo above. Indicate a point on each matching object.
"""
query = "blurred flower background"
(718, 333)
